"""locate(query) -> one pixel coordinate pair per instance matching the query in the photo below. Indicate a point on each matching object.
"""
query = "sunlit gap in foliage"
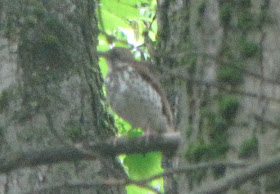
(122, 24)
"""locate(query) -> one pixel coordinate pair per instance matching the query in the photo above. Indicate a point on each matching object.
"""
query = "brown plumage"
(135, 94)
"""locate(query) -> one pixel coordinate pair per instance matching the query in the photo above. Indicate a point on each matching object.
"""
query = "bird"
(135, 94)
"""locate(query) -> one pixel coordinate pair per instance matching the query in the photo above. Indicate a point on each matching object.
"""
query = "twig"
(242, 176)
(269, 122)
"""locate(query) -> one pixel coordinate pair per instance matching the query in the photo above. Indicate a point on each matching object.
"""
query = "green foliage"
(249, 148)
(218, 134)
(246, 20)
(132, 189)
(126, 21)
(201, 151)
(130, 15)
(248, 48)
(220, 145)
(116, 9)
(4, 100)
(229, 107)
(226, 12)
(230, 75)
(142, 166)
(217, 127)
(198, 151)
(103, 67)
(124, 127)
(208, 113)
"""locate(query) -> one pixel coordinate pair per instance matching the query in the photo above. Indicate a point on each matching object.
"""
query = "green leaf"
(121, 8)
(103, 44)
(143, 165)
(122, 125)
(132, 189)
(112, 22)
(103, 67)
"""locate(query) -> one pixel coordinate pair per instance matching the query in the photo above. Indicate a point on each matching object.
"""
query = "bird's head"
(117, 57)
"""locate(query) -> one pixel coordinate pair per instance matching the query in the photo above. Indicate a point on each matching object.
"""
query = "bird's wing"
(144, 71)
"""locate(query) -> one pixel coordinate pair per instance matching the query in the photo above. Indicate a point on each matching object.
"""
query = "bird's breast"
(131, 97)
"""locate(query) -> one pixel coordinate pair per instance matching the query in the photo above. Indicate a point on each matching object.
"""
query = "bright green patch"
(141, 166)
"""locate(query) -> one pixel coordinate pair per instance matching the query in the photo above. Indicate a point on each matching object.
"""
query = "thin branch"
(136, 145)
(34, 157)
(184, 76)
(143, 182)
(79, 184)
(146, 186)
(242, 176)
(257, 76)
(213, 56)
(268, 122)
(188, 169)
(166, 143)
(86, 185)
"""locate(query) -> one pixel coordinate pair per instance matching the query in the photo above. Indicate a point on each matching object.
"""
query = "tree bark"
(227, 102)
(51, 93)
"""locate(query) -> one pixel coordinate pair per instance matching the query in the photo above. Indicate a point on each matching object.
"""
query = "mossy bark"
(51, 92)
(230, 49)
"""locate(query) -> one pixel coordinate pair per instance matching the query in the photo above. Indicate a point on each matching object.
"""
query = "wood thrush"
(134, 93)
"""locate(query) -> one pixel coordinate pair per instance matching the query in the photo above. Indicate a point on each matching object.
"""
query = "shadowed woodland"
(217, 61)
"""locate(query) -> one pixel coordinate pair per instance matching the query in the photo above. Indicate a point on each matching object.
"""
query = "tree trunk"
(228, 102)
(51, 93)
